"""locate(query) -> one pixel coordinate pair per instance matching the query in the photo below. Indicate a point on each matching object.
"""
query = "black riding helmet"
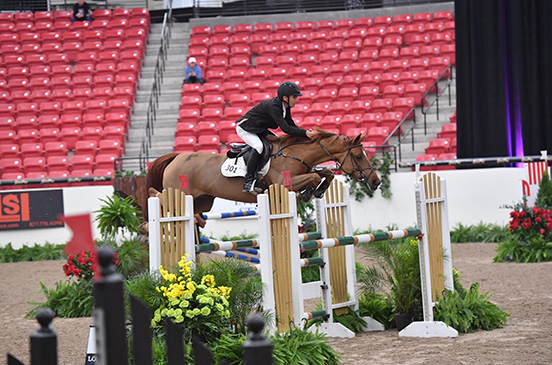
(288, 88)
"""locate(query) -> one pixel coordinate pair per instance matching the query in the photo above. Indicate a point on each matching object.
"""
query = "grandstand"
(77, 97)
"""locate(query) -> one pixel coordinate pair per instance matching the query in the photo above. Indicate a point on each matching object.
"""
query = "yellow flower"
(208, 280)
(191, 287)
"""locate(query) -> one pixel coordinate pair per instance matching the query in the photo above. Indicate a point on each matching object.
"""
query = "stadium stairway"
(169, 100)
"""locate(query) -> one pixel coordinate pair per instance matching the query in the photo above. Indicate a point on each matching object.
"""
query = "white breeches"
(251, 139)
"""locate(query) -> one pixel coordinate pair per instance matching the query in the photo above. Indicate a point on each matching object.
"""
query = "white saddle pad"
(233, 167)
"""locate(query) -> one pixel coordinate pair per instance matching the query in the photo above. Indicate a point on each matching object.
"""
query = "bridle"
(339, 164)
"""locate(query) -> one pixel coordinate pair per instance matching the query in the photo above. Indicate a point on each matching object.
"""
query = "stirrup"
(249, 187)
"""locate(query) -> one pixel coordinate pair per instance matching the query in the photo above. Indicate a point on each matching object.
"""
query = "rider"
(271, 113)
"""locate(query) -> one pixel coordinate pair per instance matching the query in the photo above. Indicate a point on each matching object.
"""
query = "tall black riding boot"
(250, 177)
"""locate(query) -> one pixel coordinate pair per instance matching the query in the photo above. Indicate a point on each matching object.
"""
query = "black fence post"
(257, 349)
(110, 312)
(141, 332)
(175, 343)
(44, 340)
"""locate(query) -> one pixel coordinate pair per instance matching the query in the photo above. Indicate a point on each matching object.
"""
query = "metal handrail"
(153, 104)
(448, 72)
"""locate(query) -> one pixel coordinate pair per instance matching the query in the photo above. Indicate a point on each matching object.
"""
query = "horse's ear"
(358, 139)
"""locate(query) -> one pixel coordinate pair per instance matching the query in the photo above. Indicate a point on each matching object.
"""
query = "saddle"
(243, 150)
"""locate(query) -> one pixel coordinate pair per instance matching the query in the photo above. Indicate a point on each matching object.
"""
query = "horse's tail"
(154, 177)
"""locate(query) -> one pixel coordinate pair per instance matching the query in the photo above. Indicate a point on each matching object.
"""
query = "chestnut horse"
(298, 155)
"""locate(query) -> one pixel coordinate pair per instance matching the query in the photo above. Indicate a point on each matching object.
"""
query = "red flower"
(526, 223)
(549, 226)
(538, 219)
(542, 231)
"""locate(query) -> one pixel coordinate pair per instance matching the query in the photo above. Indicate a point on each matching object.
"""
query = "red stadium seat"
(211, 114)
(448, 130)
(393, 91)
(9, 150)
(184, 144)
(437, 146)
(55, 149)
(208, 143)
(186, 128)
(91, 133)
(58, 163)
(416, 91)
(70, 135)
(404, 105)
(110, 146)
(381, 105)
(86, 147)
(424, 158)
(378, 135)
(369, 93)
(34, 164)
(391, 120)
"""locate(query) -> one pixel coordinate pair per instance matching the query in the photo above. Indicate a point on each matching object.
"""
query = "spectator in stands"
(81, 12)
(268, 114)
(192, 73)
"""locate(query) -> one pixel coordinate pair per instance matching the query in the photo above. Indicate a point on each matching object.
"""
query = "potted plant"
(397, 272)
(117, 214)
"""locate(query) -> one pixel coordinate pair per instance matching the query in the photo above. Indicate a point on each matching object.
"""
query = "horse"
(298, 155)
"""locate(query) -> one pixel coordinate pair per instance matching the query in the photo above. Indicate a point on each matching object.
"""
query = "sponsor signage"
(31, 209)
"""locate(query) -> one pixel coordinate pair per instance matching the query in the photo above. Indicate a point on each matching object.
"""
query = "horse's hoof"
(321, 189)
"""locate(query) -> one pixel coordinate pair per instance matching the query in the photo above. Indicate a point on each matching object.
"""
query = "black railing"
(153, 103)
(111, 332)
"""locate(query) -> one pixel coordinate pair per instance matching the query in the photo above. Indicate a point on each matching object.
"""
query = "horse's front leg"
(307, 184)
(327, 176)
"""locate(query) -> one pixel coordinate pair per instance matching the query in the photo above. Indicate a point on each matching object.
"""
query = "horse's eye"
(359, 157)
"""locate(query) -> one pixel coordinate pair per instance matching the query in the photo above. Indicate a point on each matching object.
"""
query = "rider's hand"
(311, 134)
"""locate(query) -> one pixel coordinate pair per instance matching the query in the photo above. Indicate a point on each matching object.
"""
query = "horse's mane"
(323, 134)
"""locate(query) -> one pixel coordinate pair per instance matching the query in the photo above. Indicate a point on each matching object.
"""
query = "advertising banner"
(31, 209)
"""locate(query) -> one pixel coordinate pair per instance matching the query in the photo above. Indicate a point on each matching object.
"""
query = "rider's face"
(292, 100)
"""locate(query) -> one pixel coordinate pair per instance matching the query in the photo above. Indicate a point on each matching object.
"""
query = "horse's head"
(350, 156)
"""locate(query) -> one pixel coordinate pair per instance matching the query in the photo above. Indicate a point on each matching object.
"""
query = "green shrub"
(246, 293)
(530, 236)
(468, 311)
(117, 213)
(48, 251)
(482, 232)
(69, 299)
(397, 273)
(544, 196)
(303, 347)
(377, 306)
